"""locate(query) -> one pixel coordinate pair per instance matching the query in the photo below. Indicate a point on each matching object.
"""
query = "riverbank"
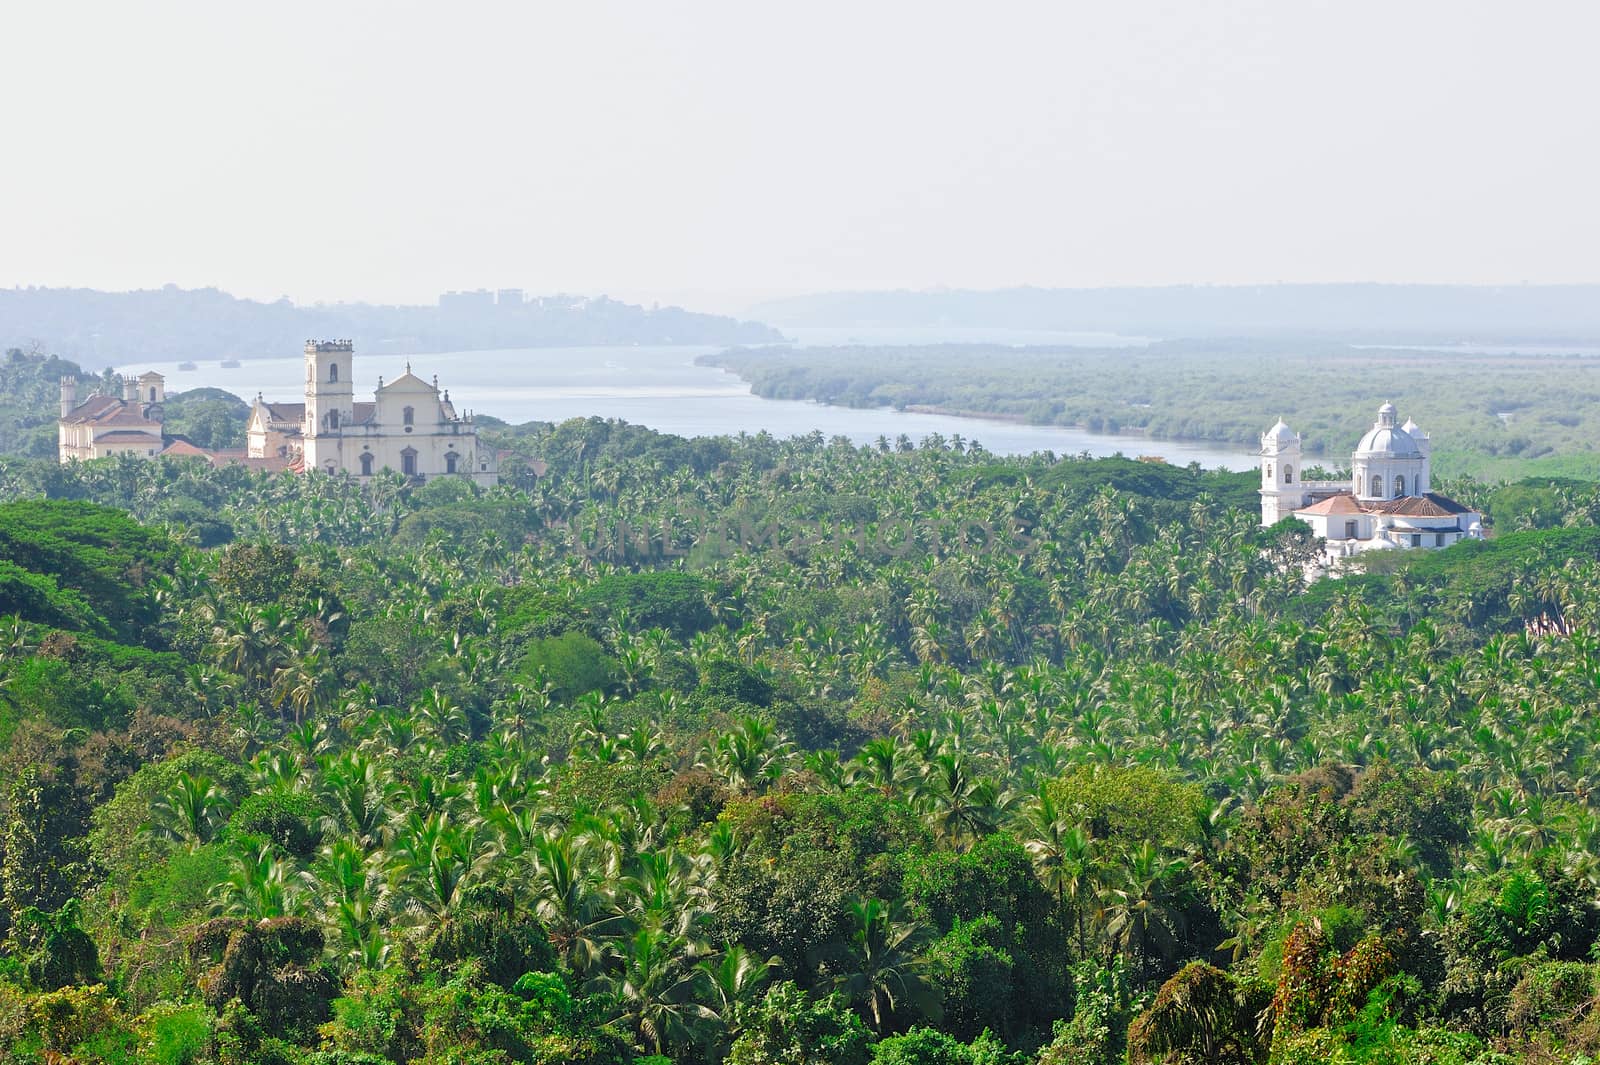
(665, 388)
(1492, 413)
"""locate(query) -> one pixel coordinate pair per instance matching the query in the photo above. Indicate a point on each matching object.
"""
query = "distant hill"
(1387, 313)
(107, 328)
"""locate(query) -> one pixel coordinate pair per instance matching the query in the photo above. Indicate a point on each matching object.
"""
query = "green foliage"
(174, 1034)
(803, 860)
(81, 566)
(1215, 390)
(289, 820)
(1202, 1015)
(1003, 958)
(120, 841)
(866, 751)
(929, 1046)
(975, 977)
(30, 384)
(789, 1027)
(669, 599)
(56, 951)
(273, 967)
(1550, 997)
(41, 853)
(1129, 805)
(1096, 1033)
(466, 1019)
(257, 572)
(209, 418)
(508, 946)
(572, 662)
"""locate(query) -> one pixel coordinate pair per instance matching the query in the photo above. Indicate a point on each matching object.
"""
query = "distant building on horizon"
(410, 427)
(1388, 502)
(476, 300)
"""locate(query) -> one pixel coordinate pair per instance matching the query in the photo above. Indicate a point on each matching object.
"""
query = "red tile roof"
(1344, 503)
(286, 412)
(184, 449)
(90, 409)
(1431, 505)
(127, 436)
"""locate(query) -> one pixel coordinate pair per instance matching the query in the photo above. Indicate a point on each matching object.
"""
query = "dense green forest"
(1491, 416)
(760, 751)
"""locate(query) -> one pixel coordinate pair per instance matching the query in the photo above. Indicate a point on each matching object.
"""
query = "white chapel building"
(409, 427)
(1388, 502)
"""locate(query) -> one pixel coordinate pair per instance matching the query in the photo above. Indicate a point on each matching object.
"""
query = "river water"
(664, 388)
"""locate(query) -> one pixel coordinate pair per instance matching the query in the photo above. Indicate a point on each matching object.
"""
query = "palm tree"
(1144, 912)
(959, 807)
(191, 811)
(657, 987)
(260, 885)
(734, 978)
(883, 968)
(750, 757)
(571, 900)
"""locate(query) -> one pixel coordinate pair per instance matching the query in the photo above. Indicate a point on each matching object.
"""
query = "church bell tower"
(1281, 494)
(330, 401)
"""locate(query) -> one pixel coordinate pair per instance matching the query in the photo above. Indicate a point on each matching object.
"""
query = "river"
(664, 388)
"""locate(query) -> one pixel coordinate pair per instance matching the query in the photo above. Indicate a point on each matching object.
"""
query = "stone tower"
(152, 387)
(1281, 494)
(330, 400)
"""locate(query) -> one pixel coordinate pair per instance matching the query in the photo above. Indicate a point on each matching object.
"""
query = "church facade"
(410, 426)
(1387, 503)
(103, 425)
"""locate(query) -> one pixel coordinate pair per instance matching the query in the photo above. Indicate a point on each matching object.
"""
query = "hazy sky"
(717, 152)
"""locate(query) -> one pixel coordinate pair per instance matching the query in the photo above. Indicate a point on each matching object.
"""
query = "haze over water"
(665, 389)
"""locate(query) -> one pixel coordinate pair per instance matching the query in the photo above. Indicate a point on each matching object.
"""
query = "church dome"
(1279, 434)
(1386, 438)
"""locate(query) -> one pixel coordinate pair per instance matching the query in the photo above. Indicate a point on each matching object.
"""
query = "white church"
(1388, 502)
(410, 427)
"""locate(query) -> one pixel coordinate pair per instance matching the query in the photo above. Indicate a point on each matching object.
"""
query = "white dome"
(1280, 434)
(1382, 440)
(1387, 441)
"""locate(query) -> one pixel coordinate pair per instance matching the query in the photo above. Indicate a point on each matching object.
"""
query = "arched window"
(152, 394)
(1269, 471)
(333, 419)
(1288, 475)
(408, 416)
(333, 371)
(366, 464)
(408, 461)
(1399, 486)
(1377, 486)
(450, 458)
